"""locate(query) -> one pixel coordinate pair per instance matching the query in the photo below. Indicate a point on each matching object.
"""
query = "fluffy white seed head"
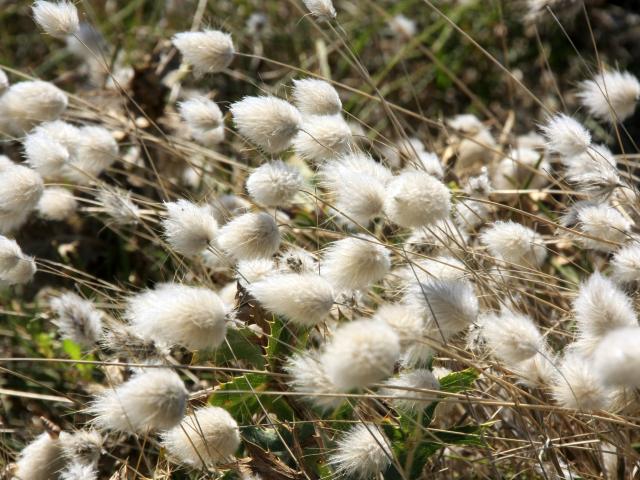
(323, 137)
(250, 271)
(298, 260)
(117, 204)
(616, 360)
(152, 399)
(309, 377)
(25, 104)
(174, 314)
(360, 353)
(209, 51)
(511, 337)
(208, 138)
(537, 371)
(250, 236)
(45, 154)
(609, 227)
(225, 207)
(79, 471)
(77, 319)
(82, 447)
(316, 97)
(204, 438)
(514, 243)
(305, 299)
(275, 184)
(566, 136)
(40, 459)
(599, 308)
(355, 263)
(95, 151)
(416, 199)
(58, 19)
(57, 204)
(593, 171)
(626, 264)
(521, 167)
(268, 122)
(321, 9)
(406, 399)
(610, 96)
(189, 228)
(437, 268)
(363, 452)
(20, 192)
(15, 267)
(201, 113)
(576, 385)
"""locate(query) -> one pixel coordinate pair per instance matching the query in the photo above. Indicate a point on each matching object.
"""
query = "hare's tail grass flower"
(189, 228)
(208, 51)
(58, 19)
(250, 236)
(77, 319)
(15, 266)
(362, 452)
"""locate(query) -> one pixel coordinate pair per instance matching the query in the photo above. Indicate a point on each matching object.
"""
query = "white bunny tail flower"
(82, 447)
(323, 137)
(606, 224)
(625, 264)
(316, 97)
(360, 353)
(153, 399)
(117, 204)
(58, 19)
(40, 459)
(537, 371)
(616, 360)
(321, 9)
(599, 308)
(514, 243)
(77, 319)
(355, 263)
(25, 104)
(593, 171)
(566, 136)
(250, 271)
(268, 122)
(15, 267)
(189, 228)
(174, 314)
(416, 199)
(205, 438)
(309, 377)
(275, 184)
(363, 452)
(512, 337)
(20, 192)
(610, 96)
(250, 236)
(402, 389)
(305, 299)
(45, 154)
(79, 471)
(57, 204)
(576, 385)
(298, 260)
(209, 51)
(201, 113)
(96, 150)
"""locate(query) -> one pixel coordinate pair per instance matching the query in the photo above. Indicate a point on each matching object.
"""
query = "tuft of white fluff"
(20, 192)
(209, 51)
(565, 135)
(206, 437)
(117, 204)
(537, 371)
(25, 104)
(448, 306)
(77, 319)
(57, 203)
(357, 183)
(402, 26)
(599, 308)
(95, 151)
(153, 399)
(250, 236)
(309, 377)
(200, 113)
(605, 223)
(576, 385)
(362, 452)
(225, 207)
(416, 199)
(610, 96)
(298, 260)
(400, 389)
(269, 122)
(437, 268)
(442, 237)
(593, 171)
(409, 324)
(322, 137)
(249, 271)
(616, 359)
(321, 9)
(274, 184)
(209, 138)
(58, 19)
(189, 228)
(355, 263)
(79, 471)
(45, 154)
(625, 264)
(174, 314)
(81, 447)
(15, 266)
(40, 459)
(514, 243)
(316, 97)
(305, 299)
(360, 353)
(511, 336)
(521, 167)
